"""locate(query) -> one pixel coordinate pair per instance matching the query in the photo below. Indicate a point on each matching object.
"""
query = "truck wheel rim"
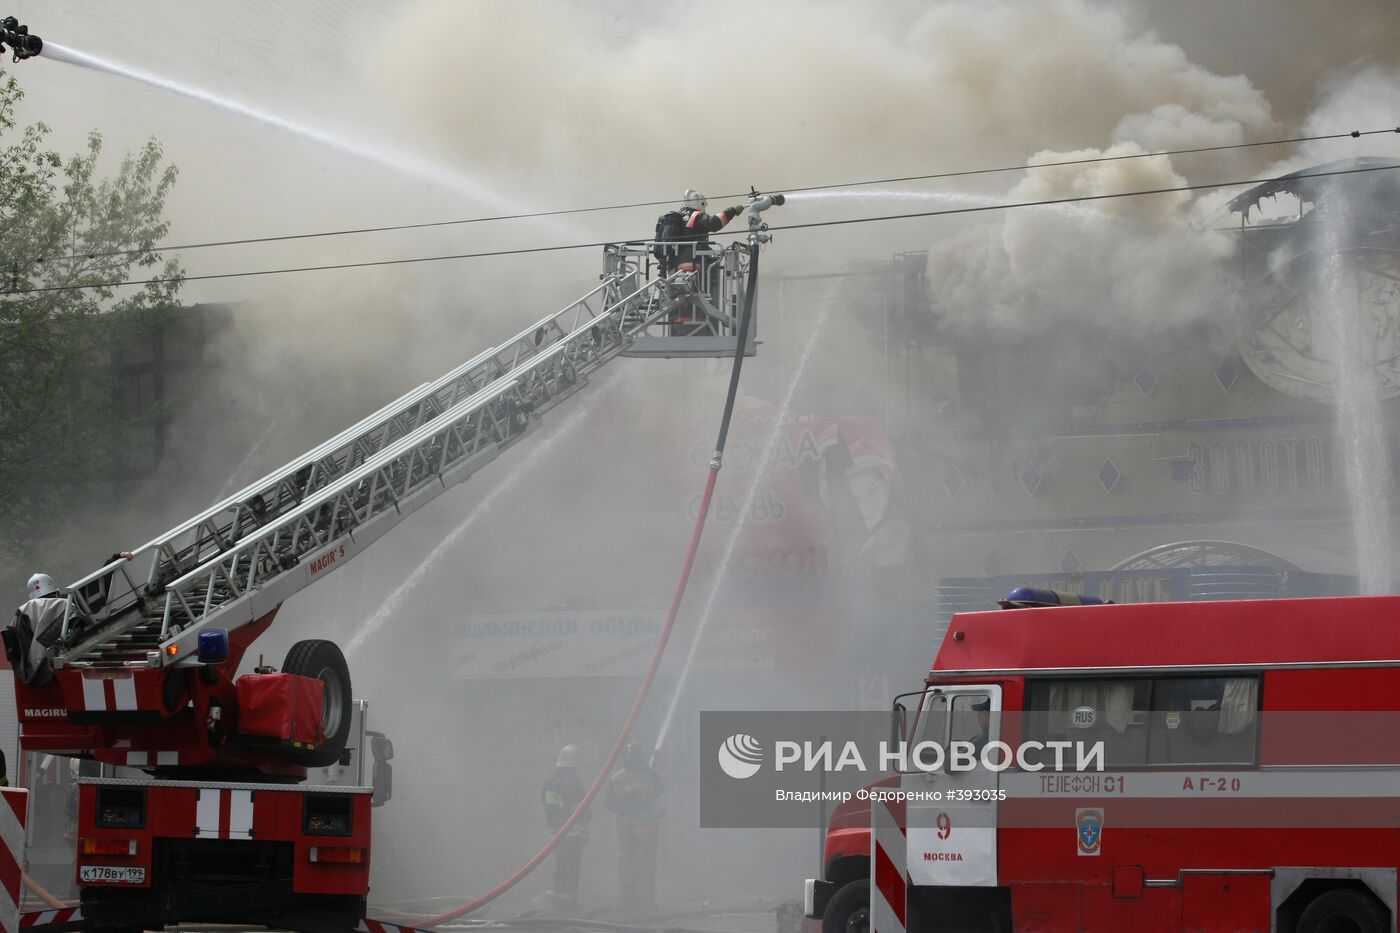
(333, 706)
(859, 922)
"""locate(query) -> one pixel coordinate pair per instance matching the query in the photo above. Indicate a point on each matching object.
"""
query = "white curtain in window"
(1238, 704)
(1118, 706)
(1065, 698)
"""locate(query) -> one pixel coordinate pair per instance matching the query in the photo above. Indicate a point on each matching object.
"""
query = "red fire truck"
(136, 664)
(1248, 780)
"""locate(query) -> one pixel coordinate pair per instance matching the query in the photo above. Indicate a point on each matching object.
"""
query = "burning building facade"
(1268, 423)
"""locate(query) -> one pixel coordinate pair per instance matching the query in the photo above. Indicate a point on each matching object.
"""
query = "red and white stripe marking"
(889, 849)
(223, 814)
(40, 918)
(108, 693)
(12, 819)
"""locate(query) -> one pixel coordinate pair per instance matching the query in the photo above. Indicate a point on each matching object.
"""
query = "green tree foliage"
(63, 428)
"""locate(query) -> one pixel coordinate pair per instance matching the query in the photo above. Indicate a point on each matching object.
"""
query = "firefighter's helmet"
(569, 757)
(694, 200)
(41, 584)
(633, 756)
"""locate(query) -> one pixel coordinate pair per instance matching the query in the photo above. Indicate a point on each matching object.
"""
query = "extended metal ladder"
(238, 560)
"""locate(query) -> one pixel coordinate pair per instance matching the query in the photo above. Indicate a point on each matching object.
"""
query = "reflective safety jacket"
(635, 795)
(698, 226)
(562, 793)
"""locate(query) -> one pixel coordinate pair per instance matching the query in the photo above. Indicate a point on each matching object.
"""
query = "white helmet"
(41, 584)
(694, 200)
(569, 757)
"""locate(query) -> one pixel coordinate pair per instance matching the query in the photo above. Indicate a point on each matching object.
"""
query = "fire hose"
(642, 691)
(40, 892)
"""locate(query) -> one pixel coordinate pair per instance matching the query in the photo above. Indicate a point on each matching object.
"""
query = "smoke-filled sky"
(552, 105)
(556, 104)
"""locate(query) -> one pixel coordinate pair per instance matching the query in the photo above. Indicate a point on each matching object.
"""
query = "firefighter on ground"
(562, 793)
(678, 233)
(634, 794)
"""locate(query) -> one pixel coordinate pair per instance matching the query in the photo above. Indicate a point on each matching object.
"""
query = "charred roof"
(1367, 181)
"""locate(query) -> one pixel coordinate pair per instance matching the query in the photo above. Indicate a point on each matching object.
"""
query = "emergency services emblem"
(1089, 831)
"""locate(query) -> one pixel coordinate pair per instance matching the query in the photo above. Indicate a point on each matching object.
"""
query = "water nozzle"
(16, 35)
(759, 203)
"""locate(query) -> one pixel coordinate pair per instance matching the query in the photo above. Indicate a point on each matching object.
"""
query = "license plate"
(112, 874)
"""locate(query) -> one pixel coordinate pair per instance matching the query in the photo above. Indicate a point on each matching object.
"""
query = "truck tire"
(848, 911)
(1344, 910)
(323, 661)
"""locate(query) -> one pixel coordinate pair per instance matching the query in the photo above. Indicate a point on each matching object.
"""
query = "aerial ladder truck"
(141, 672)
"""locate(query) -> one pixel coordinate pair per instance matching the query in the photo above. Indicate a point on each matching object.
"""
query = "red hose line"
(616, 752)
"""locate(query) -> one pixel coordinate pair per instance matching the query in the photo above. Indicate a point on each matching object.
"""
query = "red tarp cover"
(280, 706)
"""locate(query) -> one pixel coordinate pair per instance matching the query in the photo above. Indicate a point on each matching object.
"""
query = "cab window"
(933, 720)
(971, 719)
(956, 717)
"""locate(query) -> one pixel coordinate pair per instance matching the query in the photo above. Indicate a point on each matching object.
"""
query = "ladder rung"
(364, 471)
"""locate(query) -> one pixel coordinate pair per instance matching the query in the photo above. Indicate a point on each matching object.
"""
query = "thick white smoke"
(1143, 263)
(815, 91)
(1128, 265)
(823, 91)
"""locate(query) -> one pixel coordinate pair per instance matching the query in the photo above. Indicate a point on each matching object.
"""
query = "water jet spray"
(399, 161)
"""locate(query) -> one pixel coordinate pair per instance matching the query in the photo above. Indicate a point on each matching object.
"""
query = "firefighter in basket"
(682, 243)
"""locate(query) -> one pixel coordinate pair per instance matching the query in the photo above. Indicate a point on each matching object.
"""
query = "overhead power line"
(975, 209)
(536, 215)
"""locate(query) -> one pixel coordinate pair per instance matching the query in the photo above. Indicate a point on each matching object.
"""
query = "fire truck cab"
(1224, 766)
